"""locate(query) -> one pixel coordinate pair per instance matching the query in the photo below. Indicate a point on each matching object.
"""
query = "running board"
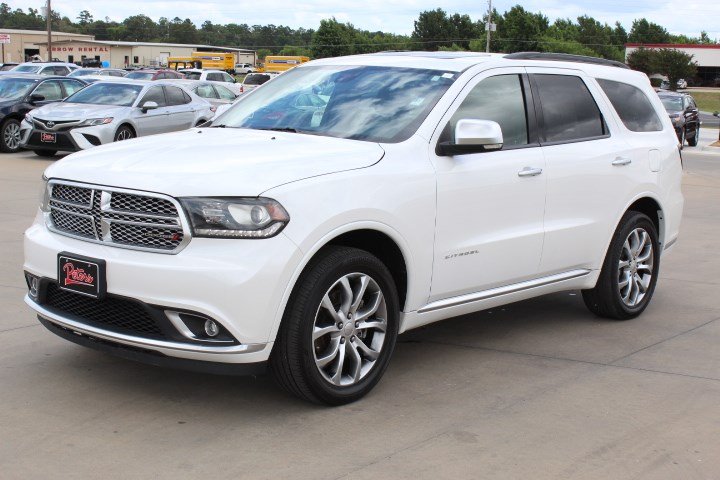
(496, 292)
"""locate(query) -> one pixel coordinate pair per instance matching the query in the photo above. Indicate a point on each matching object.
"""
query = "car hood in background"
(78, 111)
(215, 161)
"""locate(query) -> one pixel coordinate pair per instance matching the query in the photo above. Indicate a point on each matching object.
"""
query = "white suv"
(387, 191)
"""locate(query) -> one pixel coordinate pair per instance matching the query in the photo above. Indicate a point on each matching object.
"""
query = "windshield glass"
(26, 69)
(119, 94)
(82, 73)
(376, 104)
(140, 75)
(13, 88)
(672, 104)
(256, 79)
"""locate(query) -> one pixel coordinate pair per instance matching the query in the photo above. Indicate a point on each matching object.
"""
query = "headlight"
(91, 122)
(28, 118)
(235, 217)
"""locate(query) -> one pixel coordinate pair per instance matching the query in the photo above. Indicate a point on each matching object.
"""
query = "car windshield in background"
(672, 104)
(377, 104)
(192, 75)
(26, 69)
(14, 88)
(82, 73)
(122, 95)
(140, 75)
(256, 79)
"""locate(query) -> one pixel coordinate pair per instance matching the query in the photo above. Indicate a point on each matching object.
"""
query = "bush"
(656, 82)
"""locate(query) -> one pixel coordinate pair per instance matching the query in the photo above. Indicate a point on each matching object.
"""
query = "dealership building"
(74, 48)
(707, 58)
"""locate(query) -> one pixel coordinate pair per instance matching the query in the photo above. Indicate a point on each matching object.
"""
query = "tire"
(10, 136)
(124, 133)
(624, 261)
(694, 141)
(45, 153)
(358, 349)
(682, 138)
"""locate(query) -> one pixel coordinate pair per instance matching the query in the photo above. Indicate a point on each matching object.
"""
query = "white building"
(706, 56)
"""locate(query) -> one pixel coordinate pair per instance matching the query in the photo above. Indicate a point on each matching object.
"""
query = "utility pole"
(487, 27)
(49, 31)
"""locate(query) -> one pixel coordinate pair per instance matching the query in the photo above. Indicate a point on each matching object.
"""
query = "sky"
(687, 17)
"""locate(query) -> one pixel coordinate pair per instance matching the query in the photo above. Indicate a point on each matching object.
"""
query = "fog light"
(33, 284)
(211, 328)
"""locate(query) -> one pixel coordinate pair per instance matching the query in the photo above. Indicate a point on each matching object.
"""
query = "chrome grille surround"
(117, 217)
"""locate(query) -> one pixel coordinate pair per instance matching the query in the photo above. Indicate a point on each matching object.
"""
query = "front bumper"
(237, 283)
(79, 138)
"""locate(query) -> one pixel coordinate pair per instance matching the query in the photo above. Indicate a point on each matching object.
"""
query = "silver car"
(99, 72)
(105, 112)
(213, 92)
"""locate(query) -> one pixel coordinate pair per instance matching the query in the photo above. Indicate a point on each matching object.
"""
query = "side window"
(155, 94)
(71, 86)
(632, 106)
(50, 90)
(569, 110)
(206, 91)
(226, 78)
(161, 76)
(499, 99)
(175, 96)
(60, 70)
(47, 71)
(215, 77)
(224, 93)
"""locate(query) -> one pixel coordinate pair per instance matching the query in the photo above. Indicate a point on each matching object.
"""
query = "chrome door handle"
(529, 172)
(621, 161)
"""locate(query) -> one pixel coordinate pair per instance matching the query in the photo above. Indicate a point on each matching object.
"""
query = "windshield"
(672, 104)
(13, 88)
(140, 75)
(82, 73)
(26, 69)
(256, 79)
(122, 95)
(7, 67)
(192, 75)
(376, 104)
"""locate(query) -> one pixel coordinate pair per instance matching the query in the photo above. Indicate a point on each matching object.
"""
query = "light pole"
(487, 27)
(49, 31)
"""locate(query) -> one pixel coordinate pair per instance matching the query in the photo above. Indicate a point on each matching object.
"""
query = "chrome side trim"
(139, 342)
(670, 243)
(496, 292)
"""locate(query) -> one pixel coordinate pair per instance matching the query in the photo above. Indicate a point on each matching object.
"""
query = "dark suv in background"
(684, 115)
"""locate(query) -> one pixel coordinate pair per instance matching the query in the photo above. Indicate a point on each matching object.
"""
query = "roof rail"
(565, 57)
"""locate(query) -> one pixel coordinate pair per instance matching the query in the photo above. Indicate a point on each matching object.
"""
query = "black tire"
(605, 300)
(683, 136)
(45, 153)
(8, 145)
(292, 361)
(694, 140)
(124, 133)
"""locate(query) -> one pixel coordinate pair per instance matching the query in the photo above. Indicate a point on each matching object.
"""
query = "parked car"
(106, 112)
(21, 93)
(430, 185)
(112, 72)
(213, 92)
(244, 68)
(217, 76)
(4, 67)
(44, 68)
(254, 80)
(684, 115)
(150, 74)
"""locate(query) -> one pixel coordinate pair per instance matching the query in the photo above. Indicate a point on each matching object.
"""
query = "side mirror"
(36, 98)
(716, 114)
(150, 105)
(473, 136)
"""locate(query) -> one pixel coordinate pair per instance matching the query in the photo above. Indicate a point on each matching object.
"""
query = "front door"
(490, 205)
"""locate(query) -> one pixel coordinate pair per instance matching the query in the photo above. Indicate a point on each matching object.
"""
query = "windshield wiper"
(280, 129)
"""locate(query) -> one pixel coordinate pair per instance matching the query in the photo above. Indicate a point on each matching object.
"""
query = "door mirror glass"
(473, 136)
(35, 97)
(149, 105)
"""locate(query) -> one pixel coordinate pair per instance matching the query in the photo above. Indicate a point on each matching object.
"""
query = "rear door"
(180, 110)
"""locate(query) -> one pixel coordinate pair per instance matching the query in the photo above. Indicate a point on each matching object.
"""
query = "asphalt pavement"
(538, 389)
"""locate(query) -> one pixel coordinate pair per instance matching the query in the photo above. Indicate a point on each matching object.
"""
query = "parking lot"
(537, 389)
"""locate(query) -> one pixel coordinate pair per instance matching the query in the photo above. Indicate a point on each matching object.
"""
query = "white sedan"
(106, 112)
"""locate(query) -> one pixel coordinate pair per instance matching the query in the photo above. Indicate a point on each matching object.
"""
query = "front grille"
(62, 142)
(57, 125)
(109, 216)
(111, 313)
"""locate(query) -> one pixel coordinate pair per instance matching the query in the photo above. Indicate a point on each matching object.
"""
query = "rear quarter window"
(632, 106)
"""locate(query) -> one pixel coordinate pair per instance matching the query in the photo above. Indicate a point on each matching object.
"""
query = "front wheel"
(339, 328)
(629, 274)
(694, 140)
(124, 133)
(10, 136)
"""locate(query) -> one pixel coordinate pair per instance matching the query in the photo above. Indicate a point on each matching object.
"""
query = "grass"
(707, 101)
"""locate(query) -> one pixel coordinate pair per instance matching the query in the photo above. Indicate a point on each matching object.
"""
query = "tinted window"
(155, 94)
(256, 79)
(175, 96)
(224, 93)
(569, 110)
(47, 71)
(632, 106)
(501, 100)
(206, 91)
(215, 77)
(71, 86)
(50, 90)
(61, 70)
(192, 75)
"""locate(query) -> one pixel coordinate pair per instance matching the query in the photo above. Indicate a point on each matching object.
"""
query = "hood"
(215, 161)
(76, 111)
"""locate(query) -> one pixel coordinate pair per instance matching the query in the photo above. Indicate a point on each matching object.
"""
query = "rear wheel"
(45, 153)
(629, 274)
(124, 133)
(339, 328)
(10, 136)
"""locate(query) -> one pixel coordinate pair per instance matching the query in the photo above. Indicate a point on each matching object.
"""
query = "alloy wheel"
(349, 329)
(11, 135)
(124, 134)
(635, 268)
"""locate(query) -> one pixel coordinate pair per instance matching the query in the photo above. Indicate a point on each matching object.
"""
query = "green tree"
(431, 30)
(643, 60)
(674, 64)
(643, 31)
(332, 39)
(520, 30)
(85, 17)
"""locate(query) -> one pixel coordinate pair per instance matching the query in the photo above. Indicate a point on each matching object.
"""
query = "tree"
(85, 17)
(332, 39)
(643, 60)
(643, 31)
(674, 64)
(520, 30)
(432, 29)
